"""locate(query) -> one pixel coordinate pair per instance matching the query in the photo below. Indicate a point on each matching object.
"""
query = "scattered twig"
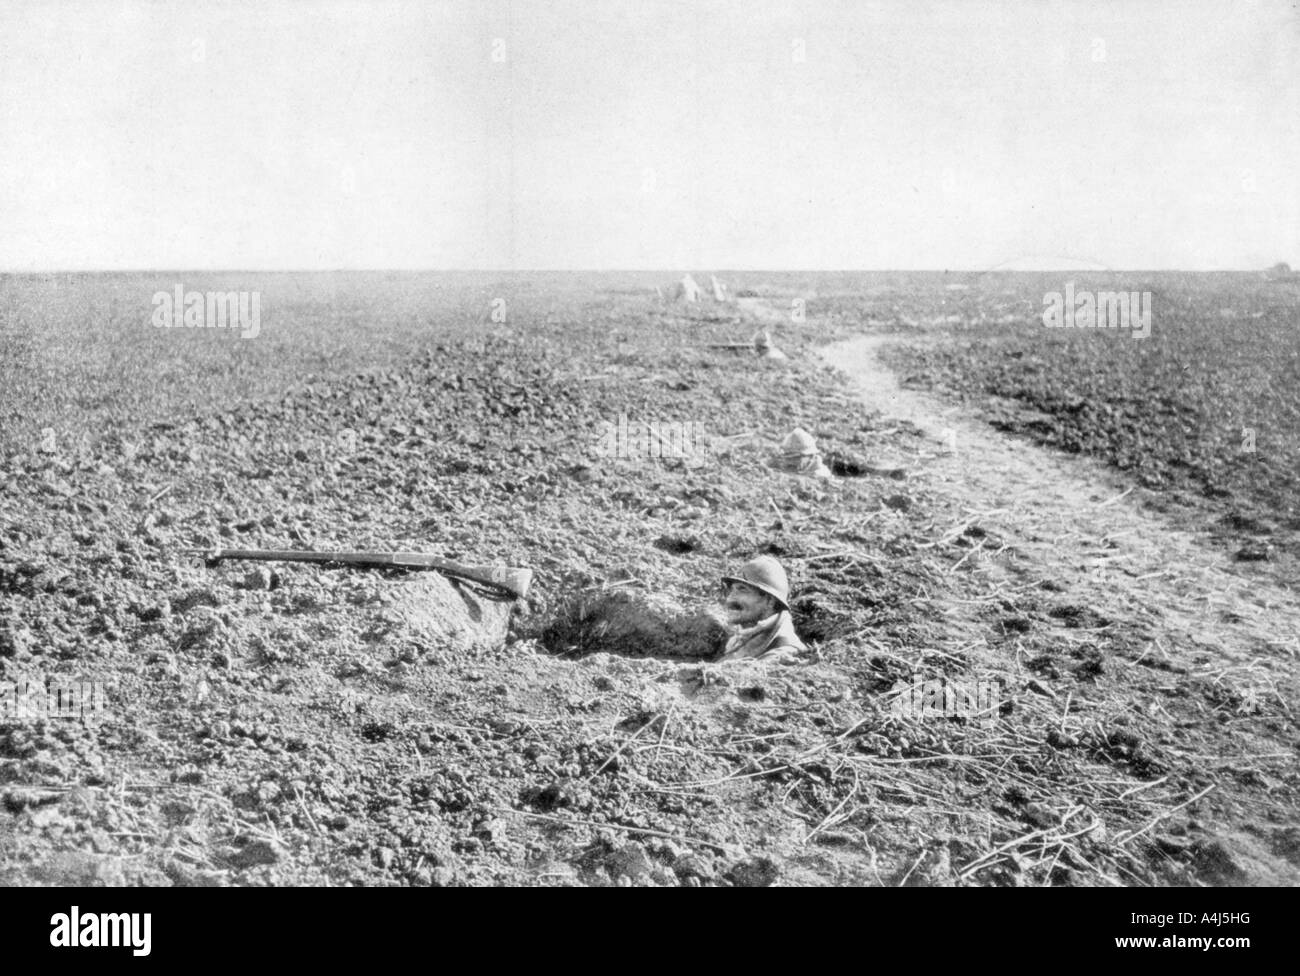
(619, 751)
(664, 731)
(307, 813)
(1168, 813)
(1141, 786)
(979, 861)
(957, 565)
(919, 858)
(830, 817)
(1119, 497)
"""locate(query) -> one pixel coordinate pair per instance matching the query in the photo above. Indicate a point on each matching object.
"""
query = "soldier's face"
(745, 605)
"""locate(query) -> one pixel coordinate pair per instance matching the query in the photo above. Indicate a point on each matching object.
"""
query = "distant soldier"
(757, 606)
(688, 289)
(763, 346)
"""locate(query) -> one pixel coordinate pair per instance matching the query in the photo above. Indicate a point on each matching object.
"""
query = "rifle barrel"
(307, 556)
(512, 580)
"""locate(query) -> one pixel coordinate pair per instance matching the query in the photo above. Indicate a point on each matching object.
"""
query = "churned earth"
(294, 724)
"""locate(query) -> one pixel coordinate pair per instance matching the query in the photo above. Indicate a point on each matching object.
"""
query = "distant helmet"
(764, 573)
(799, 442)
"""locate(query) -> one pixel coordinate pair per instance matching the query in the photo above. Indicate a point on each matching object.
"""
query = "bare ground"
(317, 732)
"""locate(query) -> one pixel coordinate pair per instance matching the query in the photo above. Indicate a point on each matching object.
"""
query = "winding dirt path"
(1216, 635)
(1060, 509)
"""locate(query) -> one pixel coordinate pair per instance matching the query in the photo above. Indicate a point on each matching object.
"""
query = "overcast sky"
(655, 134)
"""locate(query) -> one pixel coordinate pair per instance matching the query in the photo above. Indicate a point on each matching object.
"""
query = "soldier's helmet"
(764, 573)
(798, 443)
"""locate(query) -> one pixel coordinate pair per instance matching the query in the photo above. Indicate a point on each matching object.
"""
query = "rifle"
(508, 579)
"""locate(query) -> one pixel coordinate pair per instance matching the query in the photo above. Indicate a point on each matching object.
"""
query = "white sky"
(655, 134)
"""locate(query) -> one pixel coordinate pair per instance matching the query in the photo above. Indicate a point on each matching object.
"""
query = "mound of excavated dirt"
(431, 610)
(633, 625)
